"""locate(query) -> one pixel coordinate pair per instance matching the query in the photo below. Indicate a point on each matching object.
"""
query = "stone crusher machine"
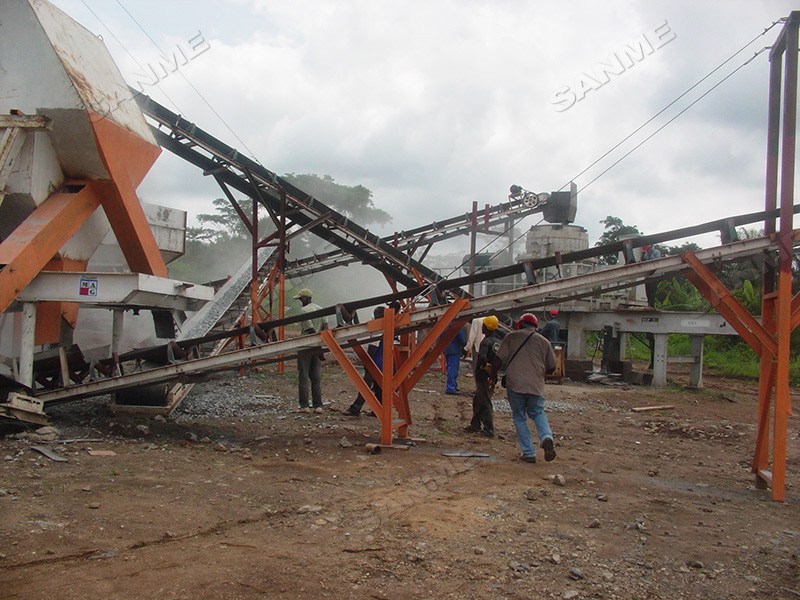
(74, 146)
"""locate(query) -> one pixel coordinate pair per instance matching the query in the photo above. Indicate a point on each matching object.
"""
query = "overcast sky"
(433, 105)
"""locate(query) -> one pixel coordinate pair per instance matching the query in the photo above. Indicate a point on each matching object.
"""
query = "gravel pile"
(501, 405)
(232, 399)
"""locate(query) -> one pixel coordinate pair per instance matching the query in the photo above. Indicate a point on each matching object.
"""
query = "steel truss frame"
(405, 364)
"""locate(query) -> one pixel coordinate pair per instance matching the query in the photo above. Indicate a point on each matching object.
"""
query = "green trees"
(614, 230)
(354, 202)
(221, 243)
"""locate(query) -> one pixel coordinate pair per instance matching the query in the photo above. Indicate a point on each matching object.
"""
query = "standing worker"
(650, 287)
(474, 339)
(526, 356)
(308, 361)
(482, 411)
(552, 329)
(452, 357)
(375, 352)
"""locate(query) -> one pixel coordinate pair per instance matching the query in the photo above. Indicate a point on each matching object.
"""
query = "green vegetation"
(723, 355)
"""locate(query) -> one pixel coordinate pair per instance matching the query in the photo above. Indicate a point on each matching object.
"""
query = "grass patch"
(722, 355)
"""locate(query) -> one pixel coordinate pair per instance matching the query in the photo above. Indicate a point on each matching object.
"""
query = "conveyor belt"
(518, 299)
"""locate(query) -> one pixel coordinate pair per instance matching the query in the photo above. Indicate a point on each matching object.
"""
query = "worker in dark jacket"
(552, 329)
(482, 411)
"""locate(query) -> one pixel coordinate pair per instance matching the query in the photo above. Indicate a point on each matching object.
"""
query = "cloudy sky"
(433, 105)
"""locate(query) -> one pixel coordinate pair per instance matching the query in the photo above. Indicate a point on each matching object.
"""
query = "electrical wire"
(727, 60)
(655, 116)
(128, 52)
(630, 135)
(181, 73)
(649, 137)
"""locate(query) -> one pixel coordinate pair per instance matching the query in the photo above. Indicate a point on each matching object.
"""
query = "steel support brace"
(396, 382)
(351, 371)
(728, 306)
(779, 309)
(36, 240)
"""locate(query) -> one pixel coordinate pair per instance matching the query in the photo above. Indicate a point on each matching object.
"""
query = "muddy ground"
(236, 497)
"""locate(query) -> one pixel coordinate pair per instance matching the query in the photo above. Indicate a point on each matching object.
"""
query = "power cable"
(128, 52)
(711, 89)
(181, 73)
(651, 119)
(701, 80)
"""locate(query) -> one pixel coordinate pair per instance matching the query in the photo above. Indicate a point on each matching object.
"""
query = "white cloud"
(434, 105)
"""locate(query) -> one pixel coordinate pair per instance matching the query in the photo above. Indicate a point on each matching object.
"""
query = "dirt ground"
(236, 497)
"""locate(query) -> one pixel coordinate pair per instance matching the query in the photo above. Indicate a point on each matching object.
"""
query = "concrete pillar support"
(576, 337)
(27, 343)
(660, 359)
(696, 369)
(117, 322)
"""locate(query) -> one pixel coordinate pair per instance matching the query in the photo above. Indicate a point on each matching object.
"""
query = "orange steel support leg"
(351, 371)
(397, 383)
(127, 157)
(37, 239)
(766, 385)
(401, 403)
(388, 382)
(782, 398)
(51, 315)
(780, 310)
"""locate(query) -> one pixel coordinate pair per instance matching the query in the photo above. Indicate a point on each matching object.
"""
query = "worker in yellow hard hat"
(482, 411)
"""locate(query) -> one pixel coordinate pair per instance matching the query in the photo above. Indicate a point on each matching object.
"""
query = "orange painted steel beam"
(420, 356)
(396, 383)
(437, 340)
(387, 380)
(728, 306)
(128, 158)
(782, 408)
(49, 315)
(401, 399)
(39, 237)
(350, 370)
(766, 385)
(400, 402)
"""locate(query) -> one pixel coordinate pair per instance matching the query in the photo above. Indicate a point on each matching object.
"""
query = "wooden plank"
(646, 408)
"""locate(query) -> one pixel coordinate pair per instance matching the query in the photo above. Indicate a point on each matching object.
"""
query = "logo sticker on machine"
(88, 286)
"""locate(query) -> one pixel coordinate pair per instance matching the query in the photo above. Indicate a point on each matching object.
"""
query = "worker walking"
(526, 357)
(452, 357)
(552, 329)
(309, 361)
(482, 411)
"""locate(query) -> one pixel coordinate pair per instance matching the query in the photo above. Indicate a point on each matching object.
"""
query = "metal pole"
(254, 270)
(472, 245)
(282, 273)
(784, 307)
(766, 367)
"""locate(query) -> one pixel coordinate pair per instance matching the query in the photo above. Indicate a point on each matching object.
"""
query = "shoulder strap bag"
(513, 356)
